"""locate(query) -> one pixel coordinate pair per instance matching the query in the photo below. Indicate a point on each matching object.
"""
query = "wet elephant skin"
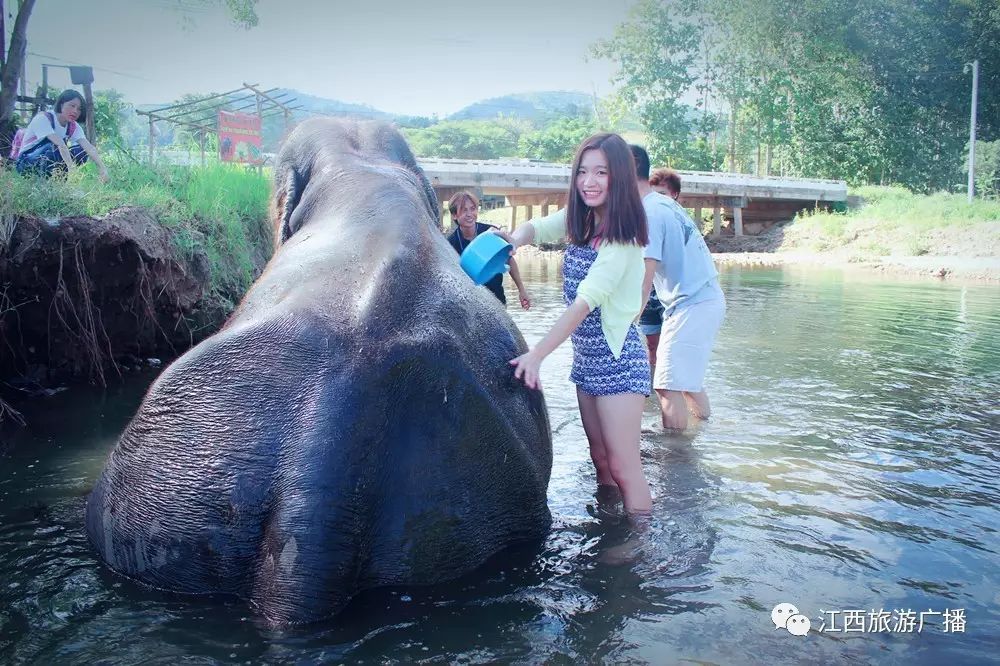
(354, 424)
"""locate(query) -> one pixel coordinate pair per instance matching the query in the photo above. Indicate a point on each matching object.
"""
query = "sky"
(399, 56)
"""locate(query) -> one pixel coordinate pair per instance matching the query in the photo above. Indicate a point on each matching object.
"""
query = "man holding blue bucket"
(464, 208)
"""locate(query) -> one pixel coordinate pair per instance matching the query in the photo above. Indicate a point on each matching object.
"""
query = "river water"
(851, 468)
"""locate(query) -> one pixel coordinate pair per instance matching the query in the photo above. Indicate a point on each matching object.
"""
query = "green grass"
(218, 209)
(891, 217)
(898, 207)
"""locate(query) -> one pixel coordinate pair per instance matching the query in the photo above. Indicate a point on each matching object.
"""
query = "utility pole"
(972, 128)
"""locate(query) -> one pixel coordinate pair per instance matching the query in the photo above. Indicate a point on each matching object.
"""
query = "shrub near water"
(892, 217)
(218, 209)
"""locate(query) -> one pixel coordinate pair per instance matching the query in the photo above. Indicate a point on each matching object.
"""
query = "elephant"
(354, 424)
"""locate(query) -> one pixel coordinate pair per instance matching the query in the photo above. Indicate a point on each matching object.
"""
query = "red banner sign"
(239, 138)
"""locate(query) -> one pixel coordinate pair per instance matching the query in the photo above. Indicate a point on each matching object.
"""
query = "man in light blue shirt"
(680, 266)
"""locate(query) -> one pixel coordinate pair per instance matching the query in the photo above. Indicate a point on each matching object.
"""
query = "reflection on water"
(851, 463)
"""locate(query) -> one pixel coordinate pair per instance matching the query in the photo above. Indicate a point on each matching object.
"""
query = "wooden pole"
(88, 96)
(513, 216)
(697, 216)
(260, 117)
(43, 100)
(716, 221)
(153, 116)
(738, 221)
(151, 139)
(202, 142)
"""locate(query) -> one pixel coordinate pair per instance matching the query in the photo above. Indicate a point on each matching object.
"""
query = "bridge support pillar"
(529, 212)
(513, 217)
(716, 222)
(738, 221)
(697, 217)
(545, 209)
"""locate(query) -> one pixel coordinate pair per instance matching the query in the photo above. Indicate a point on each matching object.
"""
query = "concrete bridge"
(752, 203)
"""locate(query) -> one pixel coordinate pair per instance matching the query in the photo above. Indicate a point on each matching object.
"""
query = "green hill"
(537, 107)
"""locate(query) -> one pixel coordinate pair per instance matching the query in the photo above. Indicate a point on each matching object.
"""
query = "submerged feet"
(609, 509)
(608, 504)
(637, 542)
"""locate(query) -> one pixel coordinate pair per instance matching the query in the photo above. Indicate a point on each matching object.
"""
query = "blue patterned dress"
(595, 369)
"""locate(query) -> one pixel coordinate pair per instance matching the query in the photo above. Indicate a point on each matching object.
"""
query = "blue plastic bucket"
(485, 257)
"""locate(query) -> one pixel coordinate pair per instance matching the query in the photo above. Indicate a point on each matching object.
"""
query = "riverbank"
(974, 269)
(887, 230)
(97, 279)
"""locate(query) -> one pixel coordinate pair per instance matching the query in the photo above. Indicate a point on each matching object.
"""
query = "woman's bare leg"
(620, 418)
(592, 426)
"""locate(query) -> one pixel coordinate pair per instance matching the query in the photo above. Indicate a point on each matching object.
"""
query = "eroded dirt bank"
(84, 299)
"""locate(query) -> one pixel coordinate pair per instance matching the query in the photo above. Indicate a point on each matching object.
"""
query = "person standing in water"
(464, 209)
(681, 268)
(603, 270)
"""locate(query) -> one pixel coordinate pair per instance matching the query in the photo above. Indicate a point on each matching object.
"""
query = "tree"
(557, 141)
(110, 113)
(868, 92)
(657, 54)
(468, 139)
(10, 73)
(987, 168)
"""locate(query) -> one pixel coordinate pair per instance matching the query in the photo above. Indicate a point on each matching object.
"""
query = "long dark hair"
(68, 95)
(624, 216)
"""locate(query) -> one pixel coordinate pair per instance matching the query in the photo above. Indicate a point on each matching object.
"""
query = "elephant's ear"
(287, 194)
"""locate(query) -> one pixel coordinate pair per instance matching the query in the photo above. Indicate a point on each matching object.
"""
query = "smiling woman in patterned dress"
(603, 267)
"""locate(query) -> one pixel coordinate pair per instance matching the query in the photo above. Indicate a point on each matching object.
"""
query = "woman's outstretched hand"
(507, 237)
(526, 368)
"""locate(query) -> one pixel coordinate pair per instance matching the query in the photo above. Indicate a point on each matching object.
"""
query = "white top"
(40, 127)
(686, 273)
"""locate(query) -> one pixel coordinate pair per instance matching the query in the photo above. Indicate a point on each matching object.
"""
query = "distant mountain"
(332, 107)
(536, 107)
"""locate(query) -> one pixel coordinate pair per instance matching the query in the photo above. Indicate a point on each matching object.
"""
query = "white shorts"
(686, 342)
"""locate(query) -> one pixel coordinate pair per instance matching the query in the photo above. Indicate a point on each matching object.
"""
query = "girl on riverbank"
(603, 269)
(45, 145)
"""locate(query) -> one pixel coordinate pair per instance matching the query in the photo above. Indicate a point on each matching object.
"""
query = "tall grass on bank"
(893, 218)
(218, 209)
